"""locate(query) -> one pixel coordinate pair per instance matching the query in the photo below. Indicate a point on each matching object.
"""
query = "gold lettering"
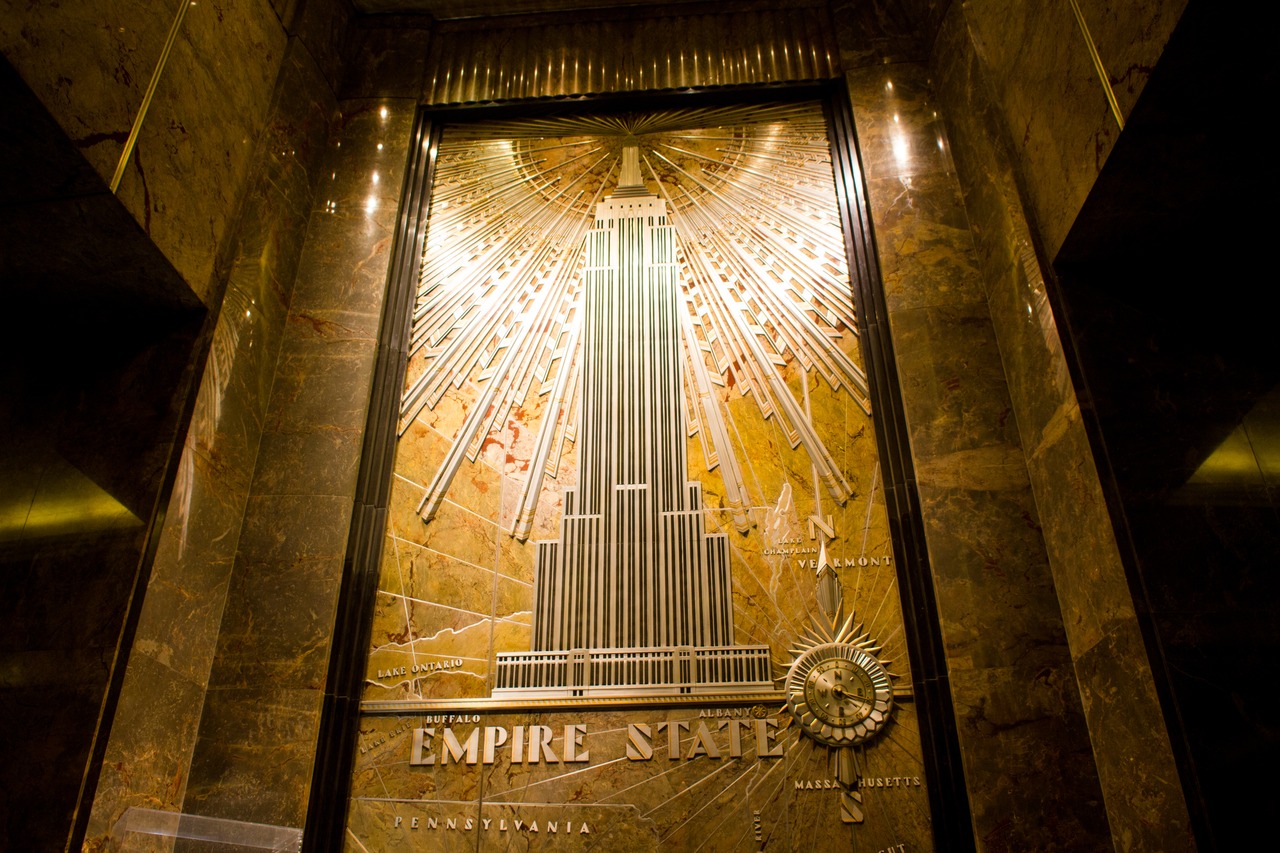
(452, 747)
(673, 737)
(703, 744)
(494, 737)
(735, 737)
(639, 742)
(763, 736)
(421, 740)
(573, 734)
(517, 745)
(540, 744)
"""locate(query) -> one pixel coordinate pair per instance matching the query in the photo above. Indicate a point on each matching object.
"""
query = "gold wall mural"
(637, 588)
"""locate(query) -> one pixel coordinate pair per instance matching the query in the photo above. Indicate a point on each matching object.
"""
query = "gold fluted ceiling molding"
(540, 59)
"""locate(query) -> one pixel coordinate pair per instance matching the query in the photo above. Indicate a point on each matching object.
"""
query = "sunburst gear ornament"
(838, 691)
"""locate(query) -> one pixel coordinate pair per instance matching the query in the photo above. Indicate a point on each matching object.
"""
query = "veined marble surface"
(1143, 798)
(1027, 758)
(148, 757)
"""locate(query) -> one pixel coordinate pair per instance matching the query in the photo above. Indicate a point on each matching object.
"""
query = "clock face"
(839, 693)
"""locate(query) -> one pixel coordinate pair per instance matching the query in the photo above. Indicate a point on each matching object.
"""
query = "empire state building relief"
(599, 298)
(634, 596)
(637, 509)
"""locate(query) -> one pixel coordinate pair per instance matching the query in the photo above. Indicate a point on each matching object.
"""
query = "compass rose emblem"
(838, 692)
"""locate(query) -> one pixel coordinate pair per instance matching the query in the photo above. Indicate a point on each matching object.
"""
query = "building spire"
(630, 183)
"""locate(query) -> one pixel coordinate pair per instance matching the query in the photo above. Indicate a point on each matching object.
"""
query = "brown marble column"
(1027, 761)
(155, 725)
(1130, 744)
(1047, 93)
(253, 756)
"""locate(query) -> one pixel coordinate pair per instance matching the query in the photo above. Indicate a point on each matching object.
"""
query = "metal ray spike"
(830, 592)
(844, 766)
(851, 807)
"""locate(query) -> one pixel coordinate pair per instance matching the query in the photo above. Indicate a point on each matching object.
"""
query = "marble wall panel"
(1082, 548)
(1011, 672)
(1050, 100)
(89, 417)
(97, 349)
(878, 32)
(253, 758)
(321, 26)
(273, 604)
(1144, 799)
(312, 439)
(386, 57)
(321, 382)
(156, 713)
(187, 173)
(1134, 762)
(56, 649)
(961, 403)
(147, 764)
(273, 650)
(89, 64)
(1130, 38)
(921, 219)
(286, 9)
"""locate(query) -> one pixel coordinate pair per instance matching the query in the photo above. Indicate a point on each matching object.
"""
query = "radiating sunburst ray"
(765, 281)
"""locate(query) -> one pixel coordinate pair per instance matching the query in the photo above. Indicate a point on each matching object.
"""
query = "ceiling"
(445, 9)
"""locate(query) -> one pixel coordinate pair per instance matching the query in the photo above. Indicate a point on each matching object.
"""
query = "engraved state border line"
(429, 706)
(480, 703)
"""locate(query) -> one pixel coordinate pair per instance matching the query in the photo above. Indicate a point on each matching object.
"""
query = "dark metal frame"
(335, 754)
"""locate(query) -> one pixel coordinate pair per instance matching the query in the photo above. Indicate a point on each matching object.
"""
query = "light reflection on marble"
(283, 588)
(1143, 799)
(150, 750)
(1010, 670)
(193, 154)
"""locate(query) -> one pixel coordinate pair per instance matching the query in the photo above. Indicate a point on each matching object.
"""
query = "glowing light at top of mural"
(763, 284)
